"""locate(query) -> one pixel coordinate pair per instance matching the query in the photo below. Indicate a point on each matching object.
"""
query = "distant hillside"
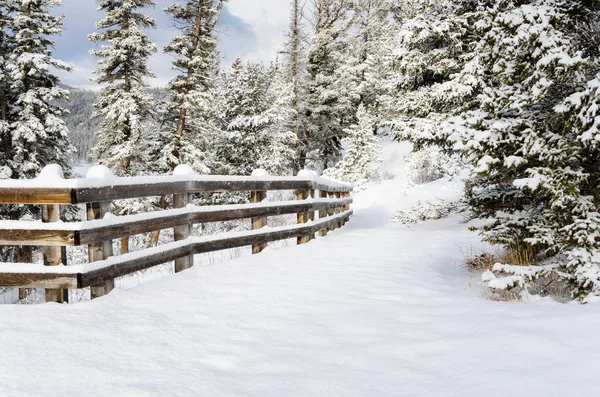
(79, 120)
(82, 126)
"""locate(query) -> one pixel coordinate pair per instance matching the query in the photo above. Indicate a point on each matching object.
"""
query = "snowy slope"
(374, 309)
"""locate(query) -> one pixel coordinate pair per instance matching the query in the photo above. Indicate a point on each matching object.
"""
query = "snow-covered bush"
(425, 211)
(432, 163)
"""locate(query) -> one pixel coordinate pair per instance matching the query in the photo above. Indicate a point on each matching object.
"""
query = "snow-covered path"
(373, 309)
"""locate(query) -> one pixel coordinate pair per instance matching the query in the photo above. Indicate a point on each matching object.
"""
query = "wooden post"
(182, 232)
(331, 211)
(323, 214)
(311, 214)
(258, 222)
(347, 206)
(100, 250)
(338, 210)
(52, 255)
(303, 217)
(23, 254)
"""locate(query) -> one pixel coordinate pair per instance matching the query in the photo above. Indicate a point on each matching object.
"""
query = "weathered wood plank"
(154, 221)
(55, 238)
(83, 195)
(51, 281)
(35, 196)
(135, 262)
(158, 189)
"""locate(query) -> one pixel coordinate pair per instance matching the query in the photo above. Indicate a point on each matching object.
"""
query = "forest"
(507, 89)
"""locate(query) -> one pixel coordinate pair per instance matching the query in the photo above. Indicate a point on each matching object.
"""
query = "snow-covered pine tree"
(367, 65)
(38, 135)
(122, 67)
(33, 134)
(254, 107)
(327, 109)
(436, 69)
(295, 73)
(362, 158)
(535, 153)
(190, 121)
(7, 7)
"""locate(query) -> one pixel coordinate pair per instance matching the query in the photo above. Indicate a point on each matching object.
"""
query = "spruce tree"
(32, 132)
(436, 66)
(190, 121)
(123, 103)
(295, 73)
(327, 110)
(534, 153)
(7, 7)
(254, 106)
(367, 67)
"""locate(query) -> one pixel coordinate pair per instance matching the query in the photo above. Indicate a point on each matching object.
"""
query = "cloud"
(248, 28)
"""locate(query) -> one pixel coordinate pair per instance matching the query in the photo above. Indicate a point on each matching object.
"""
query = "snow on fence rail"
(98, 191)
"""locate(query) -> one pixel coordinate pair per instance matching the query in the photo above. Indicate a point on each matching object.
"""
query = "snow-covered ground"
(374, 309)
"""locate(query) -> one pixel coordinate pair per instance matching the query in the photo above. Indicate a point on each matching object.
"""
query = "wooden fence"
(97, 233)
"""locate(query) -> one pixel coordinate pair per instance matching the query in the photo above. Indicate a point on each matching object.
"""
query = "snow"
(51, 173)
(184, 170)
(100, 172)
(260, 173)
(99, 176)
(373, 309)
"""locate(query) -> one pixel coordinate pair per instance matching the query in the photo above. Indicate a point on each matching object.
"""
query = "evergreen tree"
(190, 121)
(123, 102)
(7, 7)
(367, 66)
(295, 74)
(253, 107)
(535, 154)
(38, 135)
(327, 110)
(436, 66)
(362, 158)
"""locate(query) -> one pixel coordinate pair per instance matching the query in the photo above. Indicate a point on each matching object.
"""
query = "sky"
(251, 29)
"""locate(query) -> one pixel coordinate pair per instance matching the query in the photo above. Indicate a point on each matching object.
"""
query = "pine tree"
(295, 74)
(367, 62)
(436, 66)
(362, 157)
(123, 102)
(38, 135)
(535, 155)
(7, 7)
(254, 106)
(192, 91)
(327, 110)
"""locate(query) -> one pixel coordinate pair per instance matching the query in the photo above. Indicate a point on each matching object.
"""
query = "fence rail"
(98, 232)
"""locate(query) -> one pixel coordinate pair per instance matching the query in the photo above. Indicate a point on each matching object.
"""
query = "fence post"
(339, 210)
(100, 250)
(323, 213)
(257, 197)
(303, 217)
(182, 232)
(52, 255)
